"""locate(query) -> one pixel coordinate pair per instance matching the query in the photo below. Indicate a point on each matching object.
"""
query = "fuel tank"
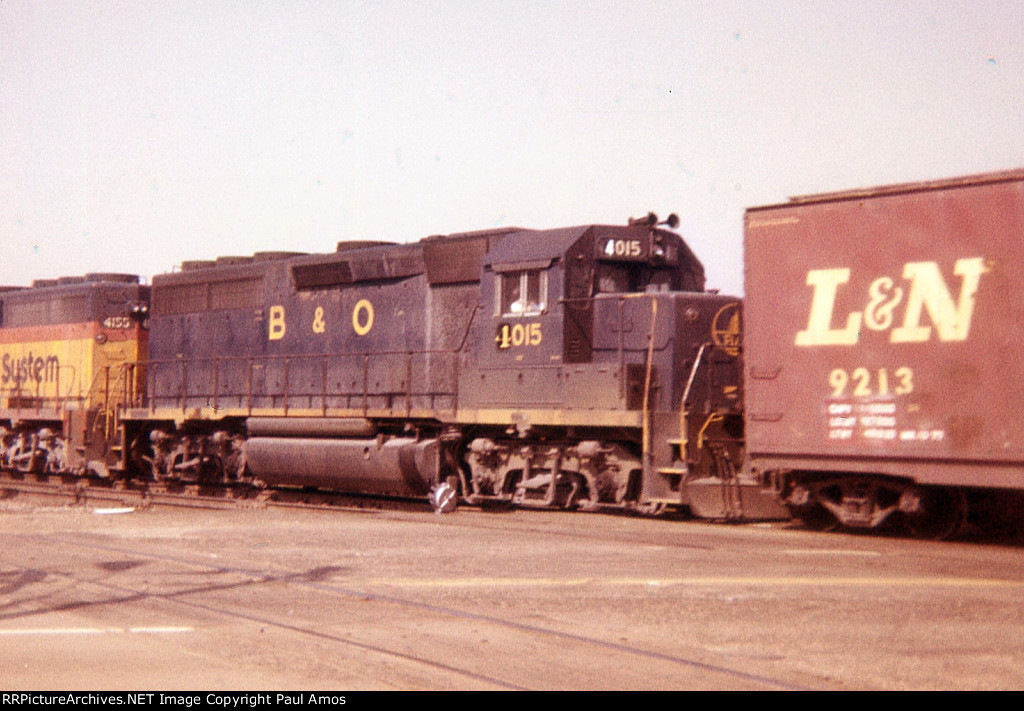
(396, 466)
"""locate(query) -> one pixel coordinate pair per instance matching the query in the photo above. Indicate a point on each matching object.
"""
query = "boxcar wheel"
(816, 517)
(942, 514)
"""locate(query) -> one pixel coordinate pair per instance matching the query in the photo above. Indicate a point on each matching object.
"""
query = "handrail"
(647, 451)
(102, 394)
(37, 401)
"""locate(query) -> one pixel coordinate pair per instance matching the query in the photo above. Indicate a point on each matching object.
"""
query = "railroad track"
(50, 490)
(82, 491)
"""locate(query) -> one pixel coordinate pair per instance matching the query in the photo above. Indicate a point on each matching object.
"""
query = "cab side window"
(522, 293)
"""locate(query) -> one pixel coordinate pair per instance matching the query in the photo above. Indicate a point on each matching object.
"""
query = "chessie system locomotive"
(868, 378)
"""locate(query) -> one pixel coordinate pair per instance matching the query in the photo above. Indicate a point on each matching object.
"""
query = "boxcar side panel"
(884, 329)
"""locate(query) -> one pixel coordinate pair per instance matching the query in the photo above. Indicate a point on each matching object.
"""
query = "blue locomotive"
(577, 367)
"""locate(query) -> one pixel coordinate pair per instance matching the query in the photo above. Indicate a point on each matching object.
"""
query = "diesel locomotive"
(68, 351)
(577, 367)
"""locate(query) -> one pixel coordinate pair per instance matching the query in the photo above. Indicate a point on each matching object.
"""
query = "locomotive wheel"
(942, 514)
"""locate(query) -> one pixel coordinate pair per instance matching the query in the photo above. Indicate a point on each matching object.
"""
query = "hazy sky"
(138, 134)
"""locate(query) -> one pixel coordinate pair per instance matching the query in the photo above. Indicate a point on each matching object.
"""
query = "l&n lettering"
(927, 291)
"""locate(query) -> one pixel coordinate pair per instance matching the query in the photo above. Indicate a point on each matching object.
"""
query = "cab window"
(522, 293)
(635, 278)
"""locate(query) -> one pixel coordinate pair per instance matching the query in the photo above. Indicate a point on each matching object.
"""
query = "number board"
(628, 249)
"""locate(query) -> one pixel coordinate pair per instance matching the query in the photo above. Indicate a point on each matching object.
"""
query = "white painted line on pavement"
(94, 630)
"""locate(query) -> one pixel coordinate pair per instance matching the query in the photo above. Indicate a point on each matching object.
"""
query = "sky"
(135, 135)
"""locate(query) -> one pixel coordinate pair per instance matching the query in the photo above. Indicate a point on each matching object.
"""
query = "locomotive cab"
(539, 288)
(600, 374)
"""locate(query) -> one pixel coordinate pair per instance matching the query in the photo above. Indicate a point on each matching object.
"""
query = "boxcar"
(882, 344)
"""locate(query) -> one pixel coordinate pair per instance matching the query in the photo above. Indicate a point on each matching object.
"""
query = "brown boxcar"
(882, 349)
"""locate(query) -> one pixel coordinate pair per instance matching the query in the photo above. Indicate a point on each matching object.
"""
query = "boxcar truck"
(884, 375)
